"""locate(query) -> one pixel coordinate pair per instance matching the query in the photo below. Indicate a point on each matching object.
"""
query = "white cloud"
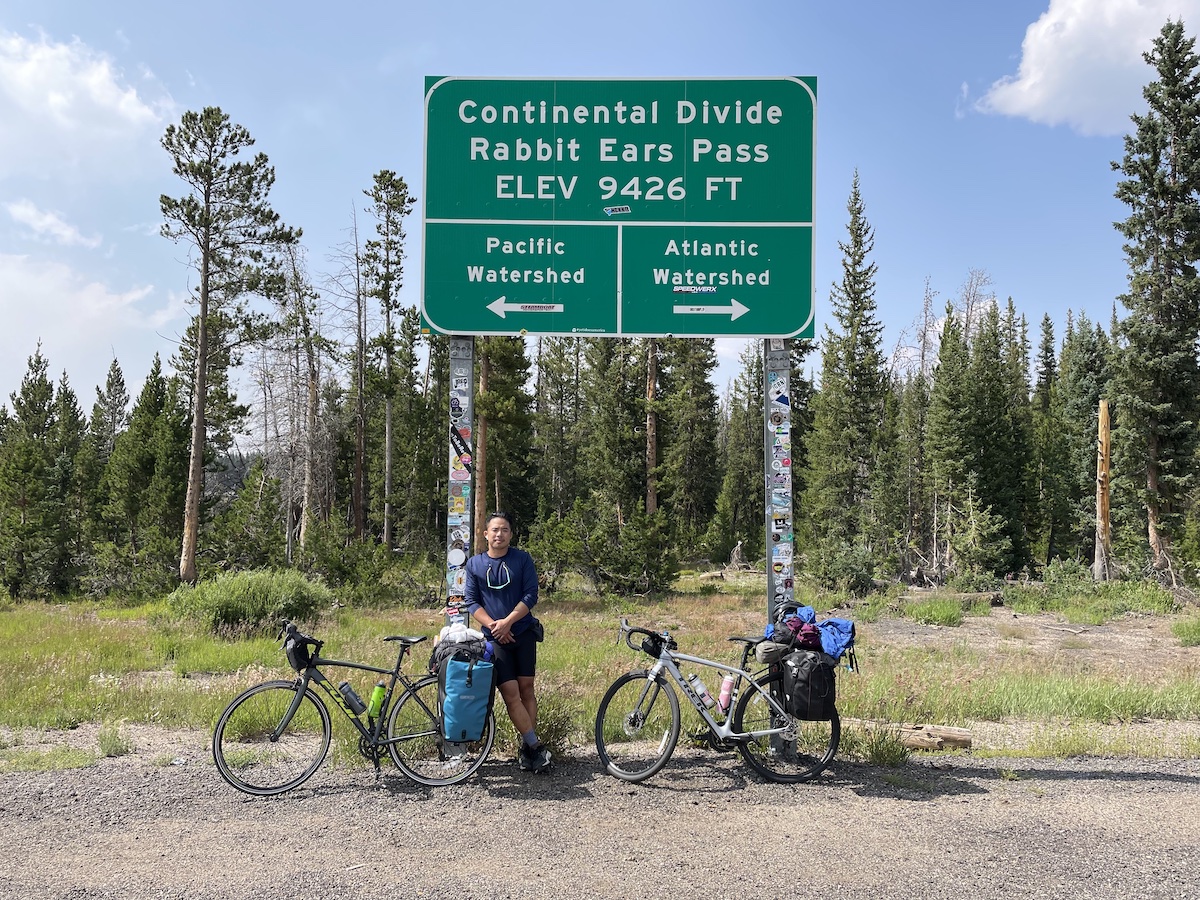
(65, 103)
(81, 325)
(1081, 63)
(49, 225)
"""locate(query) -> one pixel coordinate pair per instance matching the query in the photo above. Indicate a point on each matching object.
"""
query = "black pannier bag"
(808, 684)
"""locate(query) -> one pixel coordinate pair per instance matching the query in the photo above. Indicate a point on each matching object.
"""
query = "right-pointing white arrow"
(734, 310)
(500, 307)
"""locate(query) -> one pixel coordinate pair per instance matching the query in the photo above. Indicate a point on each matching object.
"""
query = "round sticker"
(456, 557)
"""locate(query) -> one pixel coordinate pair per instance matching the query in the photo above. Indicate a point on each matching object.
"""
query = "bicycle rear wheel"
(416, 744)
(637, 726)
(800, 753)
(242, 744)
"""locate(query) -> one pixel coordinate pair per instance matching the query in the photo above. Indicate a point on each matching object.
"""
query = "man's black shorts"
(515, 660)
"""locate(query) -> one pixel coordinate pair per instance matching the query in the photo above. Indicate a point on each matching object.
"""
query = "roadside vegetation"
(167, 665)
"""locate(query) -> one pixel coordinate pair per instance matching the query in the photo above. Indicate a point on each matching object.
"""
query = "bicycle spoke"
(637, 726)
(251, 758)
(416, 744)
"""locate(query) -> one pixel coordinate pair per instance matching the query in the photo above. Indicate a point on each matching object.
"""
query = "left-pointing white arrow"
(500, 307)
(734, 310)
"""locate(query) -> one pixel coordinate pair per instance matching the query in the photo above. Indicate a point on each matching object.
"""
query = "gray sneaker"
(540, 760)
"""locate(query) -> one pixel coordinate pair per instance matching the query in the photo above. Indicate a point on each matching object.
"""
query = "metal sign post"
(777, 454)
(458, 518)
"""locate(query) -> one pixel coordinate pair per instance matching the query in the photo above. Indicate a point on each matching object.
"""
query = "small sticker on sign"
(617, 210)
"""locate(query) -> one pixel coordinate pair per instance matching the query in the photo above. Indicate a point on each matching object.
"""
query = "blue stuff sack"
(465, 691)
(837, 636)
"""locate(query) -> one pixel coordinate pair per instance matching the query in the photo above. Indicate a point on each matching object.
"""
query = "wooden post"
(1100, 565)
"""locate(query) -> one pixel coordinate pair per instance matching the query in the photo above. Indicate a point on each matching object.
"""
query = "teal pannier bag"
(465, 690)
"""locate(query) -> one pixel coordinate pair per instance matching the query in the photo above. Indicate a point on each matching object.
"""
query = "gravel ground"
(157, 824)
(160, 823)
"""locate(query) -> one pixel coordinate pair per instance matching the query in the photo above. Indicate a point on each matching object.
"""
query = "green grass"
(68, 664)
(936, 611)
(1188, 631)
(113, 741)
(919, 685)
(50, 760)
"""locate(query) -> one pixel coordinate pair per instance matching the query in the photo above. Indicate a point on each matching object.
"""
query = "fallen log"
(921, 737)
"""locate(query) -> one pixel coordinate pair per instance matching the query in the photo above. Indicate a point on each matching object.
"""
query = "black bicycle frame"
(314, 674)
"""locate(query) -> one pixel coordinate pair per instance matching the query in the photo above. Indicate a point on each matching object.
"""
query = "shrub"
(841, 567)
(1067, 575)
(250, 602)
(555, 725)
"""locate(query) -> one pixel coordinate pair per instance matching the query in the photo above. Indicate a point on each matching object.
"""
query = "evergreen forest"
(302, 422)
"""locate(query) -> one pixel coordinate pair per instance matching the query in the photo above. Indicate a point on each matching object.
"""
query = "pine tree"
(1052, 511)
(144, 489)
(948, 441)
(556, 448)
(507, 406)
(690, 467)
(26, 488)
(248, 535)
(1157, 382)
(849, 409)
(226, 218)
(1083, 374)
(69, 504)
(741, 510)
(620, 544)
(110, 413)
(1017, 502)
(383, 265)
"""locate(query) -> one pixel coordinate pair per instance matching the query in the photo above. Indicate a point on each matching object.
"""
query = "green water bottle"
(376, 704)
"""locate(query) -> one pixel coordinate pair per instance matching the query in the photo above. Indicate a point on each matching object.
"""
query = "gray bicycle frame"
(667, 661)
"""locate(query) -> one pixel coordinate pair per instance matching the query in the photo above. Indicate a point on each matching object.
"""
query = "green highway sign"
(619, 207)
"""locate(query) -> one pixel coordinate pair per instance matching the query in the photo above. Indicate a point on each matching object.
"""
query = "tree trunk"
(919, 737)
(387, 431)
(195, 483)
(359, 499)
(1160, 545)
(311, 407)
(1100, 564)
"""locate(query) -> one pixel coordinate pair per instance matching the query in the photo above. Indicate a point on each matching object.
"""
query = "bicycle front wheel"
(415, 741)
(248, 755)
(799, 753)
(637, 726)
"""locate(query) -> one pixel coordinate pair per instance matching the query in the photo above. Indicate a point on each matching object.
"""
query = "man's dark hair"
(500, 514)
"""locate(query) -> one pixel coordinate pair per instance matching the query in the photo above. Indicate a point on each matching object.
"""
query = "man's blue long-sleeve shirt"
(498, 585)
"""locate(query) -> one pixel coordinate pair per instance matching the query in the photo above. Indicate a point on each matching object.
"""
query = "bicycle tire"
(635, 732)
(416, 744)
(246, 756)
(787, 758)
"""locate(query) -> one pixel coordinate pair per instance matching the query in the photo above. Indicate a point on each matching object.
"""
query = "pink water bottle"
(726, 692)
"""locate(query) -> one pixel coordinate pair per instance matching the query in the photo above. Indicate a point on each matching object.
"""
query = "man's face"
(499, 535)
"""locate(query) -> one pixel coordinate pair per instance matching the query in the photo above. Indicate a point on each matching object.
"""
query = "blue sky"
(982, 134)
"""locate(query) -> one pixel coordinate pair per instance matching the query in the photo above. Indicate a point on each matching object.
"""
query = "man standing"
(502, 588)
